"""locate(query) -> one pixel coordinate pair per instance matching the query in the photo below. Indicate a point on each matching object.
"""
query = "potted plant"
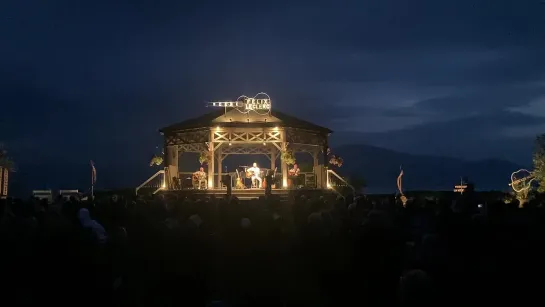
(204, 157)
(336, 161)
(288, 157)
(156, 160)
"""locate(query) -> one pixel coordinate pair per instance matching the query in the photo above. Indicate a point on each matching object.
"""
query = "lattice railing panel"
(195, 147)
(247, 136)
(189, 137)
(221, 136)
(274, 136)
(256, 137)
(246, 150)
(239, 136)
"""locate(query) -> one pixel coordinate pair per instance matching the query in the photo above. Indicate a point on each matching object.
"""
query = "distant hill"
(470, 138)
(380, 168)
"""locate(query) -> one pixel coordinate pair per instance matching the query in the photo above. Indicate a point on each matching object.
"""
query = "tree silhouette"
(539, 162)
(5, 161)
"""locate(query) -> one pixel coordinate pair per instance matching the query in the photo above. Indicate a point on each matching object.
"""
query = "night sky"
(85, 80)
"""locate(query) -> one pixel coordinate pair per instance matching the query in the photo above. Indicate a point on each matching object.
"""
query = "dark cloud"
(480, 100)
(393, 24)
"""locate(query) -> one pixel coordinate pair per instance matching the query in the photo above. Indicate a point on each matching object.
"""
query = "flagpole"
(93, 179)
(92, 184)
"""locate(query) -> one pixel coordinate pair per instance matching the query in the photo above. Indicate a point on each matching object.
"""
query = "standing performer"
(256, 174)
(200, 178)
(294, 174)
(268, 182)
(295, 170)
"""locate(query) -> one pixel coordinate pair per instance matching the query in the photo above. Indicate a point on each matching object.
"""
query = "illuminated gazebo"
(246, 126)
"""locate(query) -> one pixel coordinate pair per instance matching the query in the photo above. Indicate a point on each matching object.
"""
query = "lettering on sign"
(460, 188)
(258, 104)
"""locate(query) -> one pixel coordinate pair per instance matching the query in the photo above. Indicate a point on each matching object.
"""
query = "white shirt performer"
(256, 174)
(200, 177)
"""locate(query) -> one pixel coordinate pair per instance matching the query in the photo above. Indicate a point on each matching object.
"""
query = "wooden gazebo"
(246, 126)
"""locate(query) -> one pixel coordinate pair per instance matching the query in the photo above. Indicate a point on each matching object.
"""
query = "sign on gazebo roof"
(260, 104)
(245, 112)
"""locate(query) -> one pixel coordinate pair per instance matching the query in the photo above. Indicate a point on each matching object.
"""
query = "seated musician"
(200, 178)
(256, 174)
(294, 174)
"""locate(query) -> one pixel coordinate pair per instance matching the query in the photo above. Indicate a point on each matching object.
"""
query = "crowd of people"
(314, 250)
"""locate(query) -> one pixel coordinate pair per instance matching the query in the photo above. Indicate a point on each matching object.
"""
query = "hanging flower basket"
(204, 157)
(156, 160)
(288, 157)
(336, 161)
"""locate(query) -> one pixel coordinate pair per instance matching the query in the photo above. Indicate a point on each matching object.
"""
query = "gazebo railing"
(156, 182)
(308, 179)
(336, 183)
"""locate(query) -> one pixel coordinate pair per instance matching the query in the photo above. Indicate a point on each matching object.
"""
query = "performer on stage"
(295, 170)
(200, 178)
(256, 175)
(294, 176)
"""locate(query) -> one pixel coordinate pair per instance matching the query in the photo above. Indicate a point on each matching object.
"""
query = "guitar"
(239, 184)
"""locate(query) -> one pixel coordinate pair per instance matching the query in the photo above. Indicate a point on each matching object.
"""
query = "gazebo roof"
(208, 120)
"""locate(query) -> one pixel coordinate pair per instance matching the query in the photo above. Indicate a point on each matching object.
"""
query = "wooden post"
(171, 163)
(220, 160)
(212, 157)
(273, 159)
(315, 158)
(283, 163)
(324, 171)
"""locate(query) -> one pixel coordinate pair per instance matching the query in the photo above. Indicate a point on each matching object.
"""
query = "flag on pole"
(399, 181)
(93, 173)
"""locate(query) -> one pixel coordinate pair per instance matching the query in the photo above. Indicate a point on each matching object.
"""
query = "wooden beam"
(220, 160)
(211, 161)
